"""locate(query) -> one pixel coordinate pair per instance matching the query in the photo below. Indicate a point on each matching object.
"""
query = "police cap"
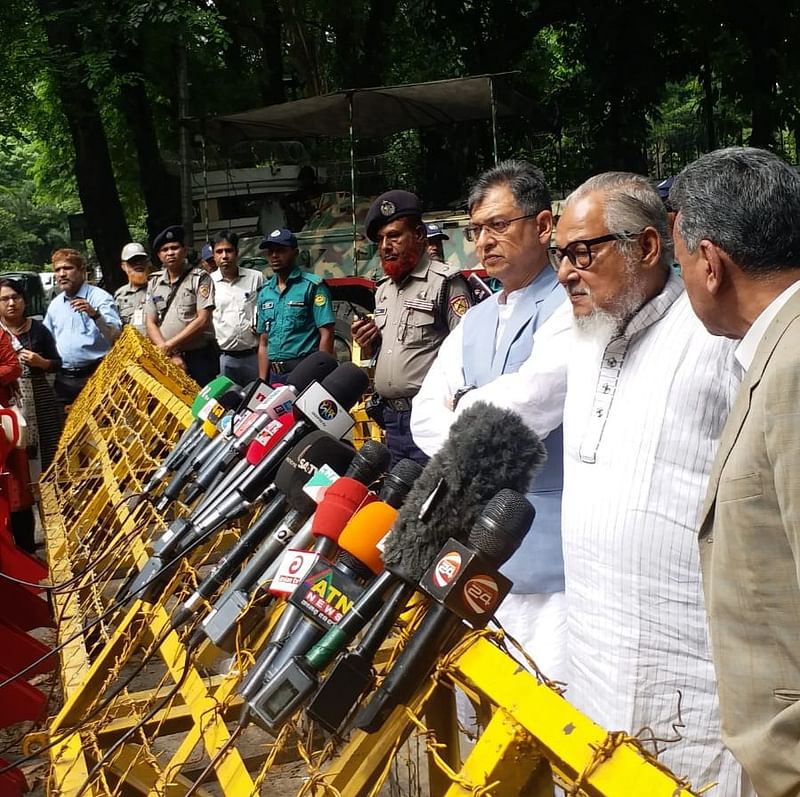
(279, 237)
(388, 207)
(168, 236)
(434, 232)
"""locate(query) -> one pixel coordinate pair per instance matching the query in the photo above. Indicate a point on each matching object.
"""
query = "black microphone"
(488, 448)
(205, 447)
(205, 404)
(321, 406)
(306, 619)
(259, 572)
(315, 367)
(315, 451)
(466, 585)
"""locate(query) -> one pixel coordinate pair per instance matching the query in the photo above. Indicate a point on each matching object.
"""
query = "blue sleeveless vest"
(538, 565)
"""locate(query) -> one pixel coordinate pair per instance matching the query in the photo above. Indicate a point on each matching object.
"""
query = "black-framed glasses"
(579, 253)
(9, 299)
(473, 231)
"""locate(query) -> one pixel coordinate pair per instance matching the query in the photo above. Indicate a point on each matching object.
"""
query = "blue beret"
(174, 233)
(388, 207)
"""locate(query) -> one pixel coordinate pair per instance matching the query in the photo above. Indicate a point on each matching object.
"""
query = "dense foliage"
(89, 92)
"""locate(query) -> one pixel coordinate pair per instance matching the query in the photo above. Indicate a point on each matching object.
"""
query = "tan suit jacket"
(750, 557)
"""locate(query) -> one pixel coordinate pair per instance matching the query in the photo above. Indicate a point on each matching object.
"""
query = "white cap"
(129, 251)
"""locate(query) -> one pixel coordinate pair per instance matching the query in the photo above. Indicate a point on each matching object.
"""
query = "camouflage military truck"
(351, 268)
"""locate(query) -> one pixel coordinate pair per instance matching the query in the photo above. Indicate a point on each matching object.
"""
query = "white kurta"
(642, 421)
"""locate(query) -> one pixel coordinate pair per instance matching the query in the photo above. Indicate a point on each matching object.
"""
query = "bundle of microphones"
(340, 543)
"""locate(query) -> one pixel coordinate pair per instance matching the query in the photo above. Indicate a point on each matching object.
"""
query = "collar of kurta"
(656, 307)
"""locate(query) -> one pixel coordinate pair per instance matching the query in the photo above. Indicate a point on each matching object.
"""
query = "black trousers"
(202, 364)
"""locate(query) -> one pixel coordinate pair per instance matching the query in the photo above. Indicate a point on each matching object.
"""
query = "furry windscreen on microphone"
(488, 449)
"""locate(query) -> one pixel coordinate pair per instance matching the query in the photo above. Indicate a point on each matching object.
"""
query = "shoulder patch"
(203, 290)
(459, 305)
(320, 300)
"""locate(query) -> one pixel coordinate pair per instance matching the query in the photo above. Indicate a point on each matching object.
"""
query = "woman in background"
(37, 354)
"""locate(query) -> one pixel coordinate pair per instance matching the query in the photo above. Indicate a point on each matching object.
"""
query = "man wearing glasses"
(648, 391)
(417, 303)
(511, 225)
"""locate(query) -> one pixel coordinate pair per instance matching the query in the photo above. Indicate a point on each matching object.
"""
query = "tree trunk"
(94, 172)
(161, 190)
(272, 88)
(375, 59)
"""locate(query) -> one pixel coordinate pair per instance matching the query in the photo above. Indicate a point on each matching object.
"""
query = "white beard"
(601, 326)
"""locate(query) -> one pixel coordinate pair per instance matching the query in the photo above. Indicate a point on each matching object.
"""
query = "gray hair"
(526, 182)
(747, 202)
(630, 204)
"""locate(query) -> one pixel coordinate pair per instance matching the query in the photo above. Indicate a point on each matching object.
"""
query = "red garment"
(16, 479)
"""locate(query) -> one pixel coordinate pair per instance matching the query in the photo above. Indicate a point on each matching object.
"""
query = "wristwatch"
(460, 393)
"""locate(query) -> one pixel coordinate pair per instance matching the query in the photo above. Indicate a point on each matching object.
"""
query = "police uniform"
(413, 317)
(291, 320)
(195, 292)
(131, 305)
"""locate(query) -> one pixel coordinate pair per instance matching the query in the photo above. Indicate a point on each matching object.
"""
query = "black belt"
(284, 366)
(86, 370)
(240, 352)
(398, 404)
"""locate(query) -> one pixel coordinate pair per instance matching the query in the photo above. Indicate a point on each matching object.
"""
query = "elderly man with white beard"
(648, 391)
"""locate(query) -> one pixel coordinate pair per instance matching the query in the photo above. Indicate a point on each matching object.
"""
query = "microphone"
(302, 623)
(307, 454)
(466, 584)
(321, 406)
(209, 442)
(215, 388)
(342, 387)
(315, 451)
(325, 594)
(265, 568)
(273, 406)
(488, 448)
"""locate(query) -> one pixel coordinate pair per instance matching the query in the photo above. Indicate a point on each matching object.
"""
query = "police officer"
(180, 300)
(417, 303)
(295, 313)
(435, 237)
(131, 298)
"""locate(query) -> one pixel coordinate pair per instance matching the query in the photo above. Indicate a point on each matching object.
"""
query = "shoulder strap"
(172, 291)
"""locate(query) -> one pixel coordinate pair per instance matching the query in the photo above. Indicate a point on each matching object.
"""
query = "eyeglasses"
(8, 299)
(579, 253)
(473, 231)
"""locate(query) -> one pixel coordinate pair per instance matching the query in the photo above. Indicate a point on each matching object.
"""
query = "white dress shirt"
(235, 309)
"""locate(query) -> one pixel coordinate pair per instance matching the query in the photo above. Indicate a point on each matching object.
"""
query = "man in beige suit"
(737, 237)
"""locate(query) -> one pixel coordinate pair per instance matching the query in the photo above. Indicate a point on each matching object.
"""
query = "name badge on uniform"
(380, 311)
(297, 304)
(267, 305)
(419, 304)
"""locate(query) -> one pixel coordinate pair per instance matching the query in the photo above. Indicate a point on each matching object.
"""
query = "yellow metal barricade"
(140, 716)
